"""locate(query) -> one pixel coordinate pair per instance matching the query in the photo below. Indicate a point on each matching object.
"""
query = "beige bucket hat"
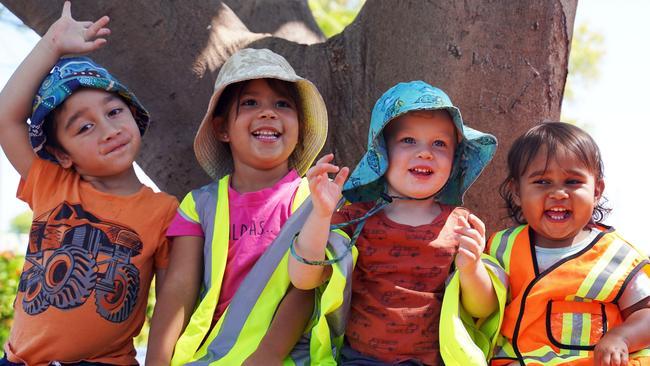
(249, 64)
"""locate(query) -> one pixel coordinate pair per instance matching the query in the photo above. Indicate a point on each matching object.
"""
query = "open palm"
(325, 193)
(70, 36)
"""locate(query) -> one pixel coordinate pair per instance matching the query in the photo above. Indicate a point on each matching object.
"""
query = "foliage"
(587, 51)
(334, 15)
(21, 223)
(10, 267)
(141, 339)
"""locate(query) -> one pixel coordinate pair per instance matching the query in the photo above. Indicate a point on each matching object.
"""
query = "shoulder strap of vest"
(301, 194)
(215, 256)
(500, 246)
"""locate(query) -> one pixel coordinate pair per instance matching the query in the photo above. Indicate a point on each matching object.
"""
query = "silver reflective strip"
(547, 357)
(300, 352)
(252, 286)
(603, 276)
(576, 329)
(205, 201)
(497, 271)
(503, 244)
(337, 319)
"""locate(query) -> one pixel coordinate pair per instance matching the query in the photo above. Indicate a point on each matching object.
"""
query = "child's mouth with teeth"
(421, 171)
(558, 214)
(266, 135)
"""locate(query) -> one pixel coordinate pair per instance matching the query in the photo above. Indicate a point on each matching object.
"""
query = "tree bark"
(503, 62)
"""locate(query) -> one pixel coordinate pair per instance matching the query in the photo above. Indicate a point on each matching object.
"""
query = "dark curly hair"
(552, 137)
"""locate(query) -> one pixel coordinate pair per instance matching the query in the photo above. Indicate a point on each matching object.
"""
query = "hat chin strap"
(389, 198)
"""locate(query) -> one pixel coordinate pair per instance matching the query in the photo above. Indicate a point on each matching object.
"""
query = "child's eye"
(573, 181)
(408, 140)
(439, 143)
(541, 181)
(115, 111)
(84, 127)
(249, 102)
(283, 104)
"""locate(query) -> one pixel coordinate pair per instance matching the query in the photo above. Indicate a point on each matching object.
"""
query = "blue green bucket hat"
(67, 76)
(474, 151)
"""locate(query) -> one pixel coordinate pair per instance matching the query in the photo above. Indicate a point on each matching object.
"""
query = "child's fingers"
(470, 233)
(66, 10)
(103, 32)
(462, 221)
(95, 27)
(321, 169)
(470, 246)
(477, 224)
(342, 176)
(325, 159)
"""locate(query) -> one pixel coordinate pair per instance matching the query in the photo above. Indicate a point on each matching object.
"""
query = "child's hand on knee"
(611, 350)
(325, 193)
(69, 36)
(471, 238)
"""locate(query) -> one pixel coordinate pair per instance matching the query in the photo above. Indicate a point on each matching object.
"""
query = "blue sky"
(613, 108)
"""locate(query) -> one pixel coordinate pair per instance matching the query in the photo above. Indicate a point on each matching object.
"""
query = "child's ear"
(514, 188)
(599, 189)
(61, 156)
(222, 129)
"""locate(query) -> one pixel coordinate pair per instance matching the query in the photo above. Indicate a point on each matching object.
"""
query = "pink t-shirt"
(255, 220)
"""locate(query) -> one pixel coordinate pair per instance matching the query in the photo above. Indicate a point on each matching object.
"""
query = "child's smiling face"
(262, 127)
(97, 132)
(420, 153)
(557, 197)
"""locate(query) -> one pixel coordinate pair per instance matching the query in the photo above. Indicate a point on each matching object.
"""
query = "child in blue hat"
(98, 234)
(405, 222)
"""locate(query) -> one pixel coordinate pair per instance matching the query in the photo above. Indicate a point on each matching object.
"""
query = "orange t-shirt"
(91, 257)
(398, 284)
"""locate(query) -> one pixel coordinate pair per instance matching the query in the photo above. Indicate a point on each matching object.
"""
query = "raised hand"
(471, 237)
(69, 36)
(325, 193)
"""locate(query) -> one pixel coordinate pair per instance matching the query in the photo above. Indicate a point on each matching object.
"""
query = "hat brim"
(215, 157)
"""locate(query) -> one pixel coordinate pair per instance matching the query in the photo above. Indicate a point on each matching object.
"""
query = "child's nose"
(425, 153)
(110, 130)
(558, 193)
(268, 112)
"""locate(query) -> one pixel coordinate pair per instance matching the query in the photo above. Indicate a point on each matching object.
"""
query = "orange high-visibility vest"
(556, 317)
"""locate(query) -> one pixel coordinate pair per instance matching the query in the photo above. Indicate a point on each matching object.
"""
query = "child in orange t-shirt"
(406, 226)
(98, 234)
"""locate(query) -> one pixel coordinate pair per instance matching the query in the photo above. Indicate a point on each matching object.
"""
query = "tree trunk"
(503, 62)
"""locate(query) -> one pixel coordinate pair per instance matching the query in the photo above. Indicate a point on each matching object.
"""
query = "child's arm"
(175, 302)
(632, 335)
(286, 328)
(476, 291)
(64, 36)
(312, 239)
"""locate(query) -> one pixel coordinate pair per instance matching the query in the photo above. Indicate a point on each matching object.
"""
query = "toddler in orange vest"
(580, 294)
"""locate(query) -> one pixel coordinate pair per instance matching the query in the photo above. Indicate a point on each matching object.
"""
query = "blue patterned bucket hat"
(474, 151)
(67, 76)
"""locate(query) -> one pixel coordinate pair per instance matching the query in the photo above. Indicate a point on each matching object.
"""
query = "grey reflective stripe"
(252, 286)
(503, 244)
(497, 271)
(205, 203)
(547, 357)
(338, 245)
(604, 275)
(576, 329)
(300, 353)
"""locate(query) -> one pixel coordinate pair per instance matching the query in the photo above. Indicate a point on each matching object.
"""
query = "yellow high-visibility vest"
(244, 323)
